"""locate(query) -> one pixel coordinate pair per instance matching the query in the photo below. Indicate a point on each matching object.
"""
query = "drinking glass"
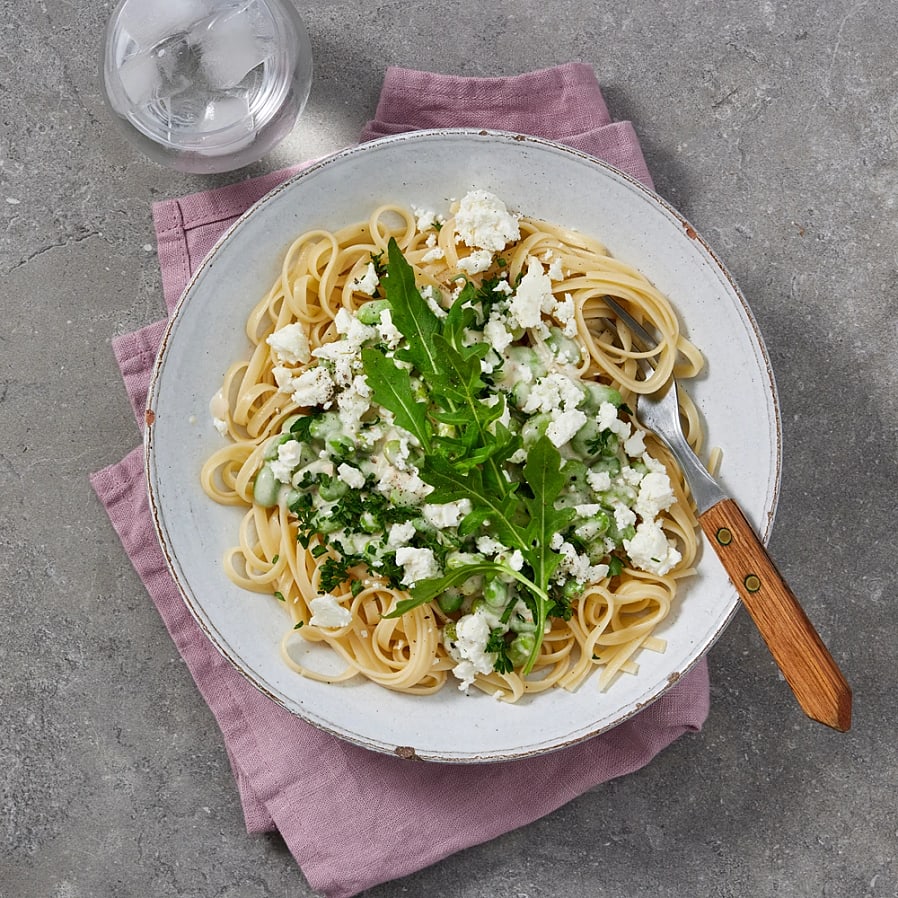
(206, 86)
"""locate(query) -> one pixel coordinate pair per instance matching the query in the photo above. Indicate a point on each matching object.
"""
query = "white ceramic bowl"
(736, 395)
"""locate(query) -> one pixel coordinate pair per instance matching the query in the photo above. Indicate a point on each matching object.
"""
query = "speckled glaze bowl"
(736, 395)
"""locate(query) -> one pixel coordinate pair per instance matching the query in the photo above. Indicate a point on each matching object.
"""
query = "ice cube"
(140, 78)
(176, 61)
(150, 21)
(233, 43)
(227, 111)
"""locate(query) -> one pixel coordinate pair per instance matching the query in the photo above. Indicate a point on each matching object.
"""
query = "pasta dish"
(434, 444)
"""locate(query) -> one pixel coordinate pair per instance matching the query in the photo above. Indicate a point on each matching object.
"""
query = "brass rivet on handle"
(724, 536)
(752, 582)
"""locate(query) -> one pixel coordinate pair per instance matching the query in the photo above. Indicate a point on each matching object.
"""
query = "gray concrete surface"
(774, 127)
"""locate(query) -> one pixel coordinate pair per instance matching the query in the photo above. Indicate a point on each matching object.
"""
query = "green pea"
(370, 312)
(495, 593)
(266, 487)
(449, 601)
(520, 647)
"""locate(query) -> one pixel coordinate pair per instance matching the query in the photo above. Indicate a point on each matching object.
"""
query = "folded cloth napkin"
(354, 818)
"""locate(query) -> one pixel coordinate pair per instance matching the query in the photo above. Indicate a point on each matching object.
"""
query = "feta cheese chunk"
(650, 550)
(290, 344)
(552, 392)
(368, 282)
(313, 387)
(434, 254)
(400, 534)
(418, 564)
(289, 456)
(472, 632)
(564, 426)
(327, 612)
(533, 296)
(655, 495)
(484, 222)
(446, 515)
(476, 262)
(351, 476)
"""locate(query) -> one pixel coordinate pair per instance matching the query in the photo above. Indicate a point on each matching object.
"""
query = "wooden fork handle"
(797, 648)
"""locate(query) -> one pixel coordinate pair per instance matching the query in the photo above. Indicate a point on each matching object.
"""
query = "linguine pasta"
(613, 613)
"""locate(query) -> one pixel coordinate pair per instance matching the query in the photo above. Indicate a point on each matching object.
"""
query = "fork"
(799, 652)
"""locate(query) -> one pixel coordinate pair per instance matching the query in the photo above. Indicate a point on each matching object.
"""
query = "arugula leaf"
(542, 471)
(411, 314)
(467, 462)
(451, 483)
(391, 386)
(425, 591)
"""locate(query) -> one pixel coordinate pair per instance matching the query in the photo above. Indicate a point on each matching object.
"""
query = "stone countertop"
(773, 127)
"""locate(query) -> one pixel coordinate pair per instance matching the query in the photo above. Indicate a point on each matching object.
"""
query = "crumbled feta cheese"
(552, 392)
(400, 534)
(289, 455)
(607, 419)
(389, 333)
(220, 425)
(635, 445)
(655, 495)
(630, 476)
(486, 545)
(623, 516)
(476, 262)
(424, 218)
(564, 426)
(283, 377)
(351, 476)
(313, 387)
(472, 632)
(653, 464)
(290, 344)
(432, 297)
(344, 354)
(533, 296)
(516, 560)
(327, 612)
(650, 550)
(496, 334)
(503, 287)
(368, 282)
(353, 402)
(483, 221)
(434, 254)
(600, 481)
(574, 566)
(408, 484)
(564, 313)
(417, 564)
(447, 514)
(555, 272)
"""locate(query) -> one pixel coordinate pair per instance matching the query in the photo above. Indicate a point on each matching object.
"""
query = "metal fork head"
(659, 412)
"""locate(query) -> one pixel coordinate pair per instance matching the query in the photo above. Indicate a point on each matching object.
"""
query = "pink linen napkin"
(354, 818)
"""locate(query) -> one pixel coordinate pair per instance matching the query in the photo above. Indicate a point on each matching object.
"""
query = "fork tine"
(642, 337)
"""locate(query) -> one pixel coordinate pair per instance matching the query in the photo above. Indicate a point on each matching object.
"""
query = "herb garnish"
(470, 465)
